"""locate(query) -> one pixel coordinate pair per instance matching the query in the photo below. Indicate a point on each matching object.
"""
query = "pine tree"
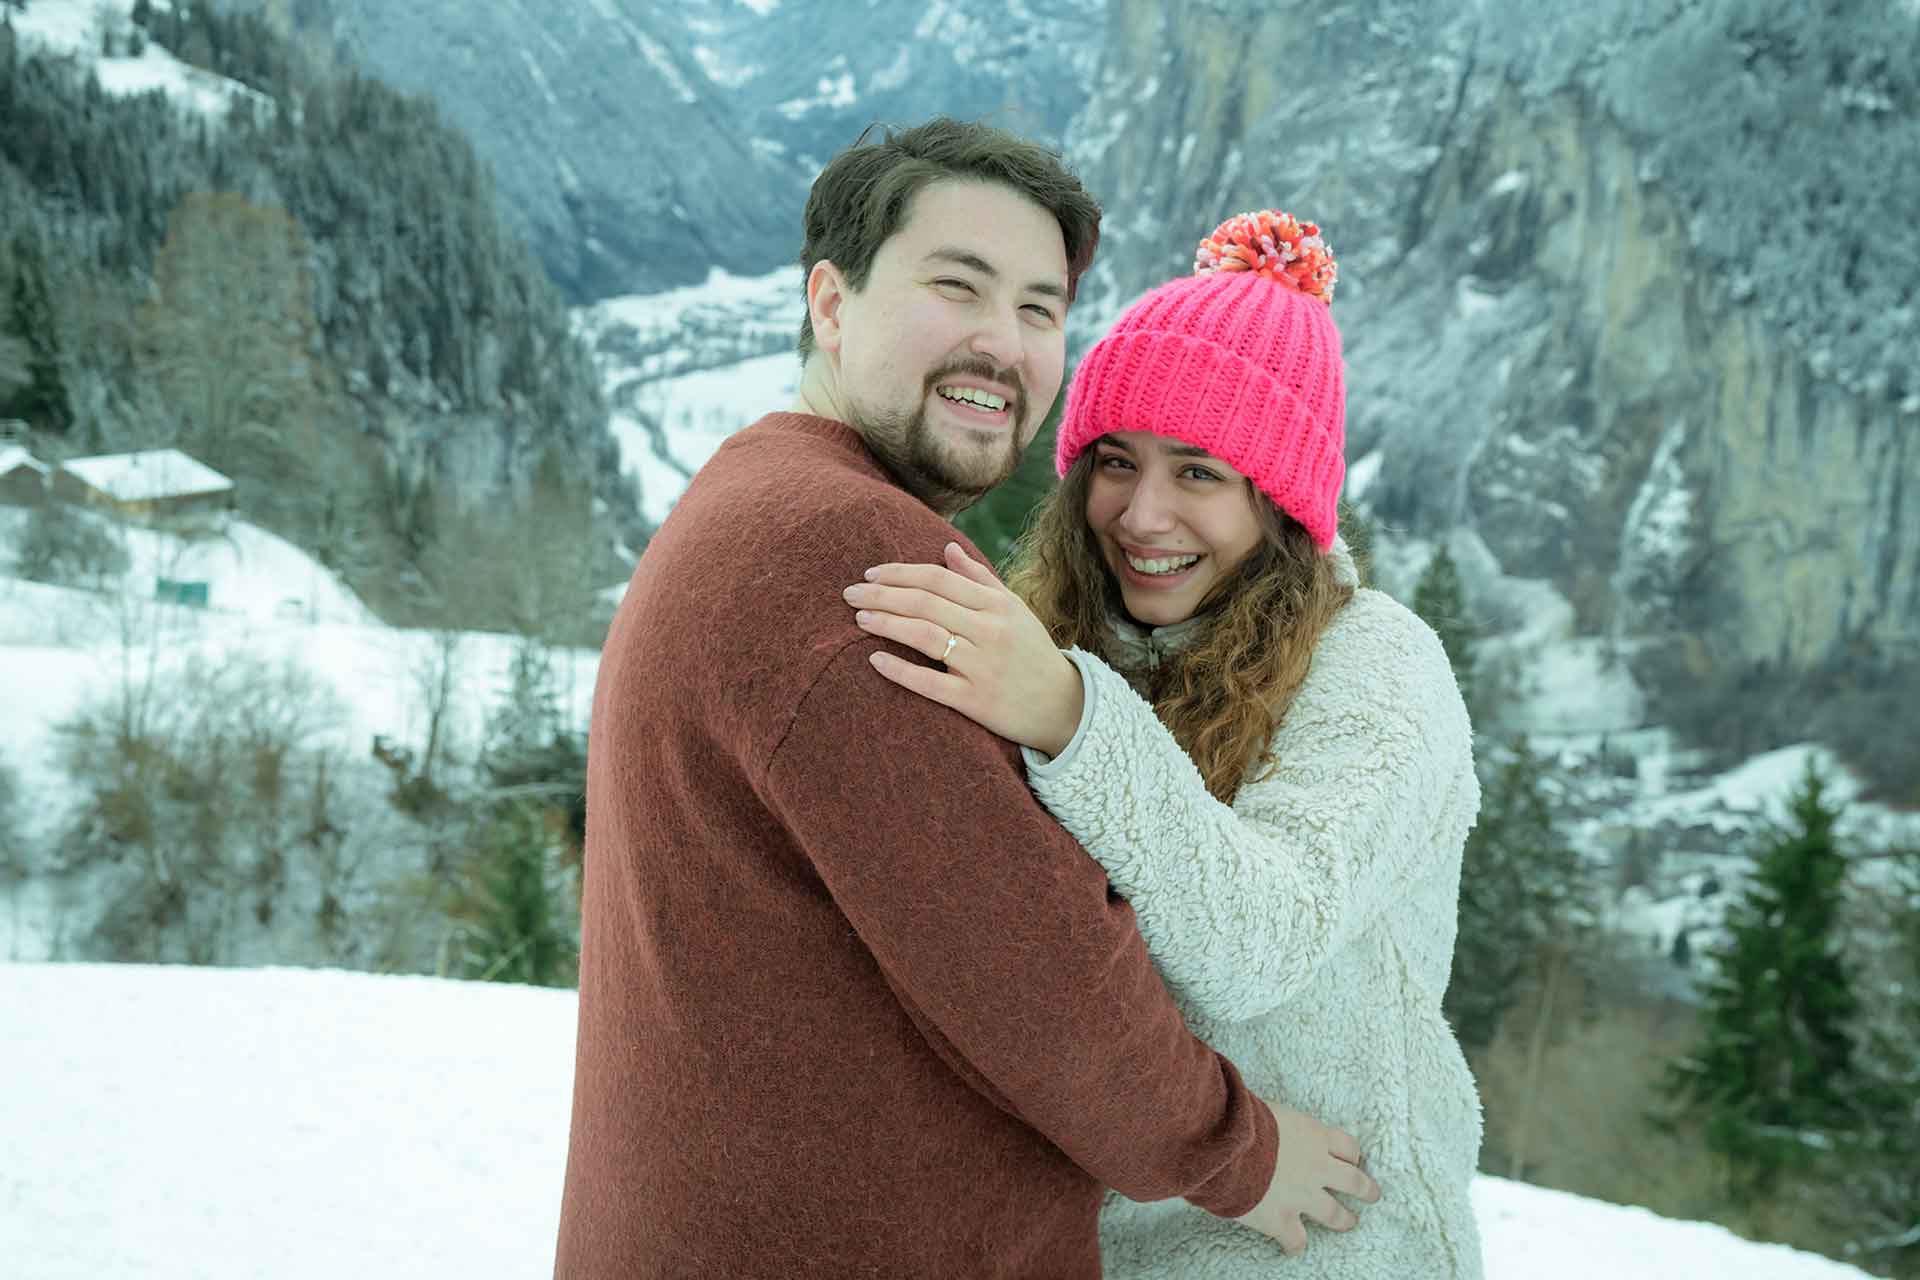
(30, 321)
(1440, 600)
(518, 925)
(1773, 1078)
(1526, 902)
(1875, 1180)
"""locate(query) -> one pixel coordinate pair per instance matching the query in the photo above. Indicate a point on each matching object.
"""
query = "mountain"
(214, 240)
(638, 144)
(1600, 330)
(1645, 376)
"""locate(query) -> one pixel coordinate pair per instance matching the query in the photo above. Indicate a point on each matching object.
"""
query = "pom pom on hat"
(1273, 244)
(1241, 358)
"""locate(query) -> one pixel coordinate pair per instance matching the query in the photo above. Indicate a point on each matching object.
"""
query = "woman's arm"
(1241, 906)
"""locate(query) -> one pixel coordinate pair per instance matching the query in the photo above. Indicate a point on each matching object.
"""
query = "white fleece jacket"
(1307, 933)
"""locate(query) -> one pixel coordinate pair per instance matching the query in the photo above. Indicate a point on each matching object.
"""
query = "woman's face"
(1171, 520)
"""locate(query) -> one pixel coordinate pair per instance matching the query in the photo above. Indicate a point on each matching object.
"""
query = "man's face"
(949, 359)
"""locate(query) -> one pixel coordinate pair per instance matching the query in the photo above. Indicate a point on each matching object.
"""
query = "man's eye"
(954, 284)
(1040, 312)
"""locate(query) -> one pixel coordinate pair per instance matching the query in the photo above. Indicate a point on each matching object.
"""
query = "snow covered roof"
(13, 456)
(149, 474)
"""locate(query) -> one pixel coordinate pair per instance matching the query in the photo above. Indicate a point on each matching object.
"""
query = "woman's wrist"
(1066, 707)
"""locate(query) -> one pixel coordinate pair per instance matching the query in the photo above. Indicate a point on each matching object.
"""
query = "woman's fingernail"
(863, 617)
(851, 593)
(872, 573)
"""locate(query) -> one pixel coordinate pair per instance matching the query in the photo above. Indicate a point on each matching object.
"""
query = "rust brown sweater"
(851, 1003)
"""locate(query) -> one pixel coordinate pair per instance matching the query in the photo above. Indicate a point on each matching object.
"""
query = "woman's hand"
(1003, 670)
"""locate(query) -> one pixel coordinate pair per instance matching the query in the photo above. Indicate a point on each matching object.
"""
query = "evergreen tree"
(519, 914)
(1526, 903)
(519, 926)
(31, 323)
(1773, 1078)
(1875, 1179)
(1440, 600)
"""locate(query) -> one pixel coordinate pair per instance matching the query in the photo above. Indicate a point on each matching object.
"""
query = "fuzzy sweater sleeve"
(997, 934)
(1242, 906)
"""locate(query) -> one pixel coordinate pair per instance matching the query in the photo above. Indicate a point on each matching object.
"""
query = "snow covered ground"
(63, 649)
(201, 1124)
(76, 26)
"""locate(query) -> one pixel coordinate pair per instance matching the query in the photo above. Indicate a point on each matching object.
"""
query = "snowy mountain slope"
(309, 1124)
(686, 368)
(81, 26)
(640, 143)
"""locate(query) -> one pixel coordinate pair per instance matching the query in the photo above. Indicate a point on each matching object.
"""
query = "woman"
(1272, 762)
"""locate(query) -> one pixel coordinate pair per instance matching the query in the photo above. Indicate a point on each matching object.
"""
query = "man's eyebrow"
(974, 262)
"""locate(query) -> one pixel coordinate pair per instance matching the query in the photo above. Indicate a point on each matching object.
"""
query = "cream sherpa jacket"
(1306, 932)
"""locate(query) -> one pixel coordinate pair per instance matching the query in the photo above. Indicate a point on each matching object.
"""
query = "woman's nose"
(1147, 510)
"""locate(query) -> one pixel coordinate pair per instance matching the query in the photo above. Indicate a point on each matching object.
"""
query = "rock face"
(1555, 333)
(1594, 316)
(638, 144)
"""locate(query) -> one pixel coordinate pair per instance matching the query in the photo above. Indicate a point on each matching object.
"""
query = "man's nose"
(997, 337)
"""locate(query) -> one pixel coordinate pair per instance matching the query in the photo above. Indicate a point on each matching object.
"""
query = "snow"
(686, 368)
(14, 456)
(830, 91)
(73, 27)
(148, 474)
(167, 1123)
(62, 649)
(1510, 181)
(546, 91)
(728, 75)
(1361, 475)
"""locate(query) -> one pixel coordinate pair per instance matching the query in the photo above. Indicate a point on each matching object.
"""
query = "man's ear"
(826, 291)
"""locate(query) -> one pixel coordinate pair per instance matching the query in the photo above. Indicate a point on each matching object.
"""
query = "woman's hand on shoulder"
(1002, 669)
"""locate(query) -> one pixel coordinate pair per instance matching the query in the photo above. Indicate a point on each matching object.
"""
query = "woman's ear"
(826, 291)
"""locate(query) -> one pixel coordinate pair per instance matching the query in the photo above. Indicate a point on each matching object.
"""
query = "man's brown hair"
(862, 196)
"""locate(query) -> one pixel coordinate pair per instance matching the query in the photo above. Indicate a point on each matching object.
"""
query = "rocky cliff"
(1628, 288)
(1583, 322)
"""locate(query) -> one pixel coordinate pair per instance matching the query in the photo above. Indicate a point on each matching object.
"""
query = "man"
(851, 1003)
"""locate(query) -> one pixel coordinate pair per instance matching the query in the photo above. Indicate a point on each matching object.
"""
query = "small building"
(149, 487)
(23, 478)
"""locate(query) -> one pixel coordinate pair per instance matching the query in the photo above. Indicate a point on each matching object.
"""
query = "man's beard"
(927, 466)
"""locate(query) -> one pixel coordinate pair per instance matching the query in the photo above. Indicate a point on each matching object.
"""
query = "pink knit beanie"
(1241, 358)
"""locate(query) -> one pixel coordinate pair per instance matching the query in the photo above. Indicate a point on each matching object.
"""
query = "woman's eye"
(1114, 462)
(1200, 473)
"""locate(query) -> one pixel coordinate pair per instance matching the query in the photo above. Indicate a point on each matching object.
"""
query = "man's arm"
(999, 935)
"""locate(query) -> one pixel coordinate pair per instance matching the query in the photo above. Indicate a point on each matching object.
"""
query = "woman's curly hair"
(1224, 693)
